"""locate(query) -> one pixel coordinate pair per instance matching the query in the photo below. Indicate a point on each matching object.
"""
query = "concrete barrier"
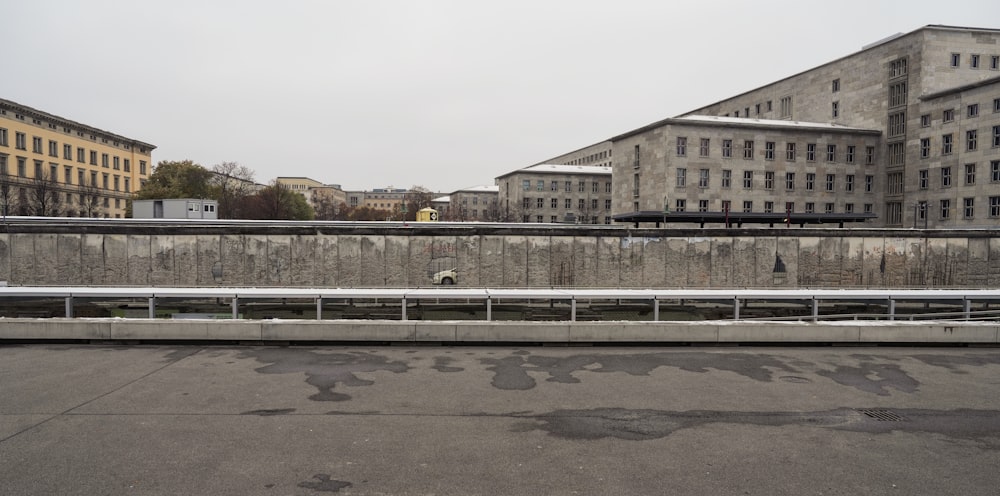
(880, 332)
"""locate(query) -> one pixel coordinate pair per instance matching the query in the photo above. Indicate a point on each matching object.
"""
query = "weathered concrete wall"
(491, 256)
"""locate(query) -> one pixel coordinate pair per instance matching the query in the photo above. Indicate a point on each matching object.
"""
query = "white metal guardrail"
(736, 297)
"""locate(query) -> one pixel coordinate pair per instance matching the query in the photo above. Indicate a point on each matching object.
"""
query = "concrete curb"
(880, 332)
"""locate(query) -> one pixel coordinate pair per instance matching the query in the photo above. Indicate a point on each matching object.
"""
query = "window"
(948, 115)
(810, 152)
(680, 205)
(727, 178)
(925, 147)
(681, 177)
(703, 147)
(117, 181)
(128, 166)
(747, 206)
(607, 204)
(79, 177)
(894, 213)
(769, 207)
(19, 141)
(142, 167)
(786, 107)
(539, 219)
(595, 187)
(869, 155)
(835, 109)
(540, 202)
(995, 171)
(810, 207)
(836, 85)
(971, 140)
(790, 152)
(897, 124)
(635, 185)
(607, 187)
(582, 186)
(115, 161)
(945, 207)
(93, 157)
(770, 107)
(831, 153)
(554, 203)
(635, 162)
(924, 179)
(568, 203)
(972, 110)
(540, 185)
(681, 146)
(526, 184)
(703, 178)
(925, 120)
(869, 184)
(757, 108)
(810, 181)
(970, 174)
(3, 137)
(68, 152)
(996, 136)
(727, 148)
(747, 179)
(768, 150)
(769, 180)
(81, 155)
(849, 183)
(969, 211)
(703, 205)
(36, 144)
(896, 153)
(68, 175)
(831, 182)
(790, 181)
(53, 149)
(995, 62)
(526, 202)
(945, 177)
(897, 68)
(974, 61)
(995, 206)
(956, 59)
(22, 167)
(946, 142)
(895, 183)
(897, 95)
(850, 154)
(128, 185)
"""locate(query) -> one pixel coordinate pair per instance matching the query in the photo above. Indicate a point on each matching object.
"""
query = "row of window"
(566, 185)
(680, 205)
(969, 175)
(79, 134)
(769, 180)
(831, 152)
(20, 143)
(968, 207)
(555, 219)
(948, 142)
(590, 159)
(567, 203)
(108, 181)
(948, 115)
(975, 60)
(785, 104)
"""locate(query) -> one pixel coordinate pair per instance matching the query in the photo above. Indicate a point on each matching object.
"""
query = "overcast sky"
(440, 93)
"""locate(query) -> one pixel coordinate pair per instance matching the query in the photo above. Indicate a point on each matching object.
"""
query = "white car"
(446, 277)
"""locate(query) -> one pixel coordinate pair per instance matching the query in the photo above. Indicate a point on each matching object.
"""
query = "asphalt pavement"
(219, 420)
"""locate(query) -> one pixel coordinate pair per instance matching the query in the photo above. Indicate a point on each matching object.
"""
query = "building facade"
(473, 204)
(903, 133)
(52, 166)
(556, 193)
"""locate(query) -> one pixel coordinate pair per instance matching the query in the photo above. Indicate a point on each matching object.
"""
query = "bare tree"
(90, 205)
(8, 198)
(45, 198)
(234, 184)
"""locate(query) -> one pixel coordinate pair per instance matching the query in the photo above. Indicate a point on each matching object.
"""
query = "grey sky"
(444, 94)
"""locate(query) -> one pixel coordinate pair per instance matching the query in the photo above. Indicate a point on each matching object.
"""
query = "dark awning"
(739, 218)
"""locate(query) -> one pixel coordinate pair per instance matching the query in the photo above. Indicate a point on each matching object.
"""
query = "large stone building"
(904, 133)
(556, 193)
(475, 204)
(52, 166)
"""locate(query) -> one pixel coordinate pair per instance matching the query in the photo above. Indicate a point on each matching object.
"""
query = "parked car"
(446, 277)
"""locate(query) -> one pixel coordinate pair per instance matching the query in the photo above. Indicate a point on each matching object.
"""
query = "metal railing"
(737, 298)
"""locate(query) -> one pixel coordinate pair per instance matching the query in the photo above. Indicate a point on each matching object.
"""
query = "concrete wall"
(493, 256)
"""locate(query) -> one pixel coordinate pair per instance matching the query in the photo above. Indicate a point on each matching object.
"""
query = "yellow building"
(52, 166)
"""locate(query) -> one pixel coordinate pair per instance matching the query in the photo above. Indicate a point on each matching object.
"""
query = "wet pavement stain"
(269, 413)
(953, 362)
(981, 427)
(443, 364)
(325, 484)
(512, 372)
(862, 377)
(324, 370)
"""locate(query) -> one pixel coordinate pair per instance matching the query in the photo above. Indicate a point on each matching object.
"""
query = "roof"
(563, 169)
(441, 199)
(711, 120)
(70, 123)
(484, 188)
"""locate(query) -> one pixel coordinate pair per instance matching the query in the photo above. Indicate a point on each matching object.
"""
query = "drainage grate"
(883, 415)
